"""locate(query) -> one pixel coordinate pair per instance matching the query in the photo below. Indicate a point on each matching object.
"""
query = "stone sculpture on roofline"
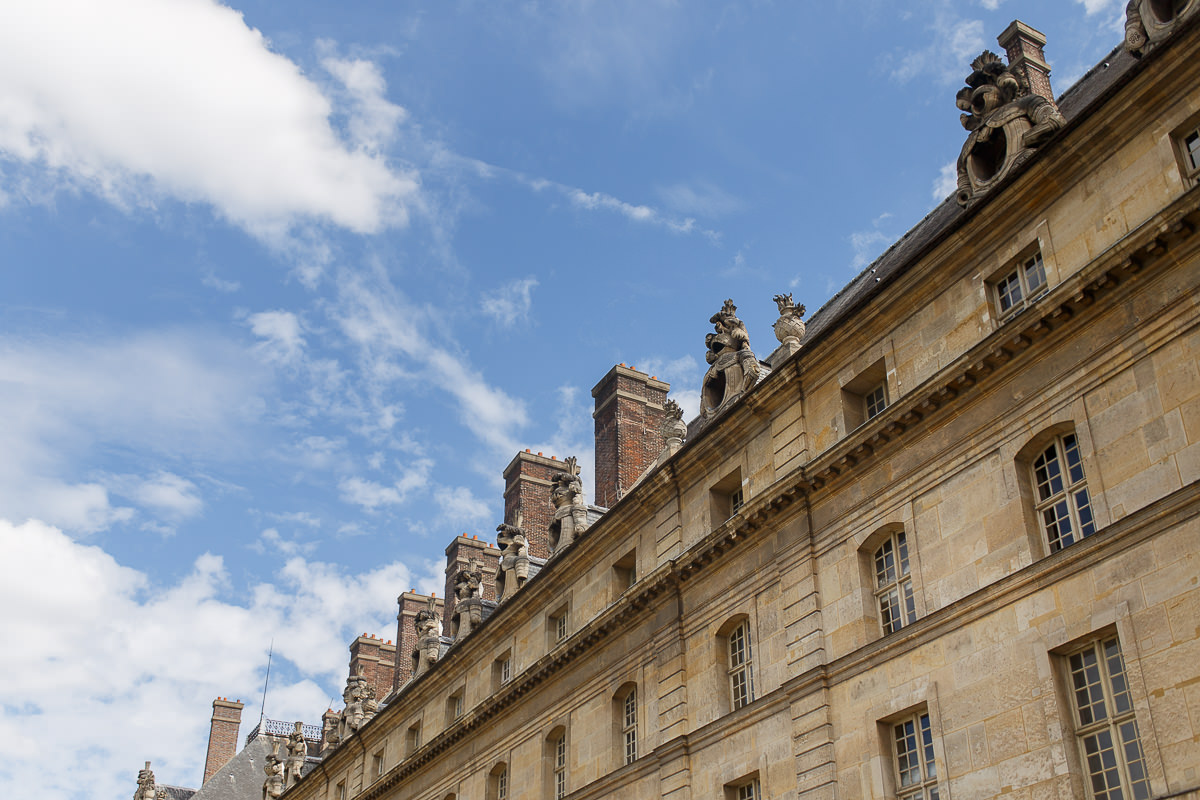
(146, 789)
(468, 599)
(429, 639)
(1005, 120)
(513, 570)
(297, 751)
(570, 513)
(360, 709)
(274, 784)
(674, 429)
(732, 368)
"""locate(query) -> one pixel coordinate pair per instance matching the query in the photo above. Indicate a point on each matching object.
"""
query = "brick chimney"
(223, 735)
(458, 556)
(527, 490)
(1025, 57)
(629, 415)
(377, 660)
(406, 633)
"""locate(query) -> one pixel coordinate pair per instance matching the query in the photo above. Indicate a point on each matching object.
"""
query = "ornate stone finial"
(674, 429)
(1005, 120)
(789, 328)
(513, 569)
(297, 751)
(732, 366)
(146, 789)
(273, 786)
(429, 639)
(570, 512)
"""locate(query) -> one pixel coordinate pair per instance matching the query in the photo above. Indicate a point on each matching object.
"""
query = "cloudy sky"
(284, 286)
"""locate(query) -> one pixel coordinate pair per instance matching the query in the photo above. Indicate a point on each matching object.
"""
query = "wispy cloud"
(946, 182)
(700, 198)
(954, 42)
(510, 303)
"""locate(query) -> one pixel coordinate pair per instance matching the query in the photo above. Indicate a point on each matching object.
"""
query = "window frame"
(1189, 160)
(871, 380)
(377, 769)
(898, 585)
(1018, 272)
(497, 788)
(744, 788)
(739, 664)
(726, 498)
(628, 724)
(559, 766)
(915, 728)
(1080, 517)
(1104, 693)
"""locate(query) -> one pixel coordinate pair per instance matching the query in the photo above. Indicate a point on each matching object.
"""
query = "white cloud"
(374, 121)
(511, 303)
(867, 245)
(135, 100)
(100, 647)
(946, 183)
(371, 495)
(165, 394)
(459, 507)
(281, 336)
(956, 41)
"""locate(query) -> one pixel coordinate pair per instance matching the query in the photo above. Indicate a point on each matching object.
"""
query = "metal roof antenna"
(262, 713)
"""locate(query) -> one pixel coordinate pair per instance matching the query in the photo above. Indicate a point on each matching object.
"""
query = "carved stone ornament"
(1149, 22)
(570, 513)
(732, 367)
(146, 790)
(513, 570)
(429, 639)
(297, 751)
(789, 328)
(674, 429)
(1006, 121)
(468, 599)
(273, 786)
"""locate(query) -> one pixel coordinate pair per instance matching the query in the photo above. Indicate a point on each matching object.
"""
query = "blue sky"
(284, 286)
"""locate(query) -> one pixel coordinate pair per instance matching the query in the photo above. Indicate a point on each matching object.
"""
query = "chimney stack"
(223, 735)
(377, 660)
(406, 634)
(629, 416)
(1023, 45)
(458, 556)
(527, 487)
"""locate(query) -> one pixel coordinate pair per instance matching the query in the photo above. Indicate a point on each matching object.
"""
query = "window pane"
(1008, 291)
(1192, 145)
(1035, 273)
(885, 565)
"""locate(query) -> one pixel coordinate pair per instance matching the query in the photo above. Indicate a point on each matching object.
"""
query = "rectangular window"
(743, 789)
(341, 791)
(629, 726)
(1188, 143)
(866, 396)
(502, 670)
(413, 739)
(726, 497)
(875, 401)
(915, 768)
(625, 572)
(502, 785)
(741, 677)
(556, 627)
(1019, 285)
(1104, 723)
(893, 584)
(454, 706)
(377, 764)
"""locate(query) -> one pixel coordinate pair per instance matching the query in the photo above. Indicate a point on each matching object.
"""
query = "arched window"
(625, 723)
(1061, 500)
(893, 583)
(740, 665)
(498, 782)
(556, 763)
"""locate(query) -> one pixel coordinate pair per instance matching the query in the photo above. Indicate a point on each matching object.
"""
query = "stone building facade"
(947, 546)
